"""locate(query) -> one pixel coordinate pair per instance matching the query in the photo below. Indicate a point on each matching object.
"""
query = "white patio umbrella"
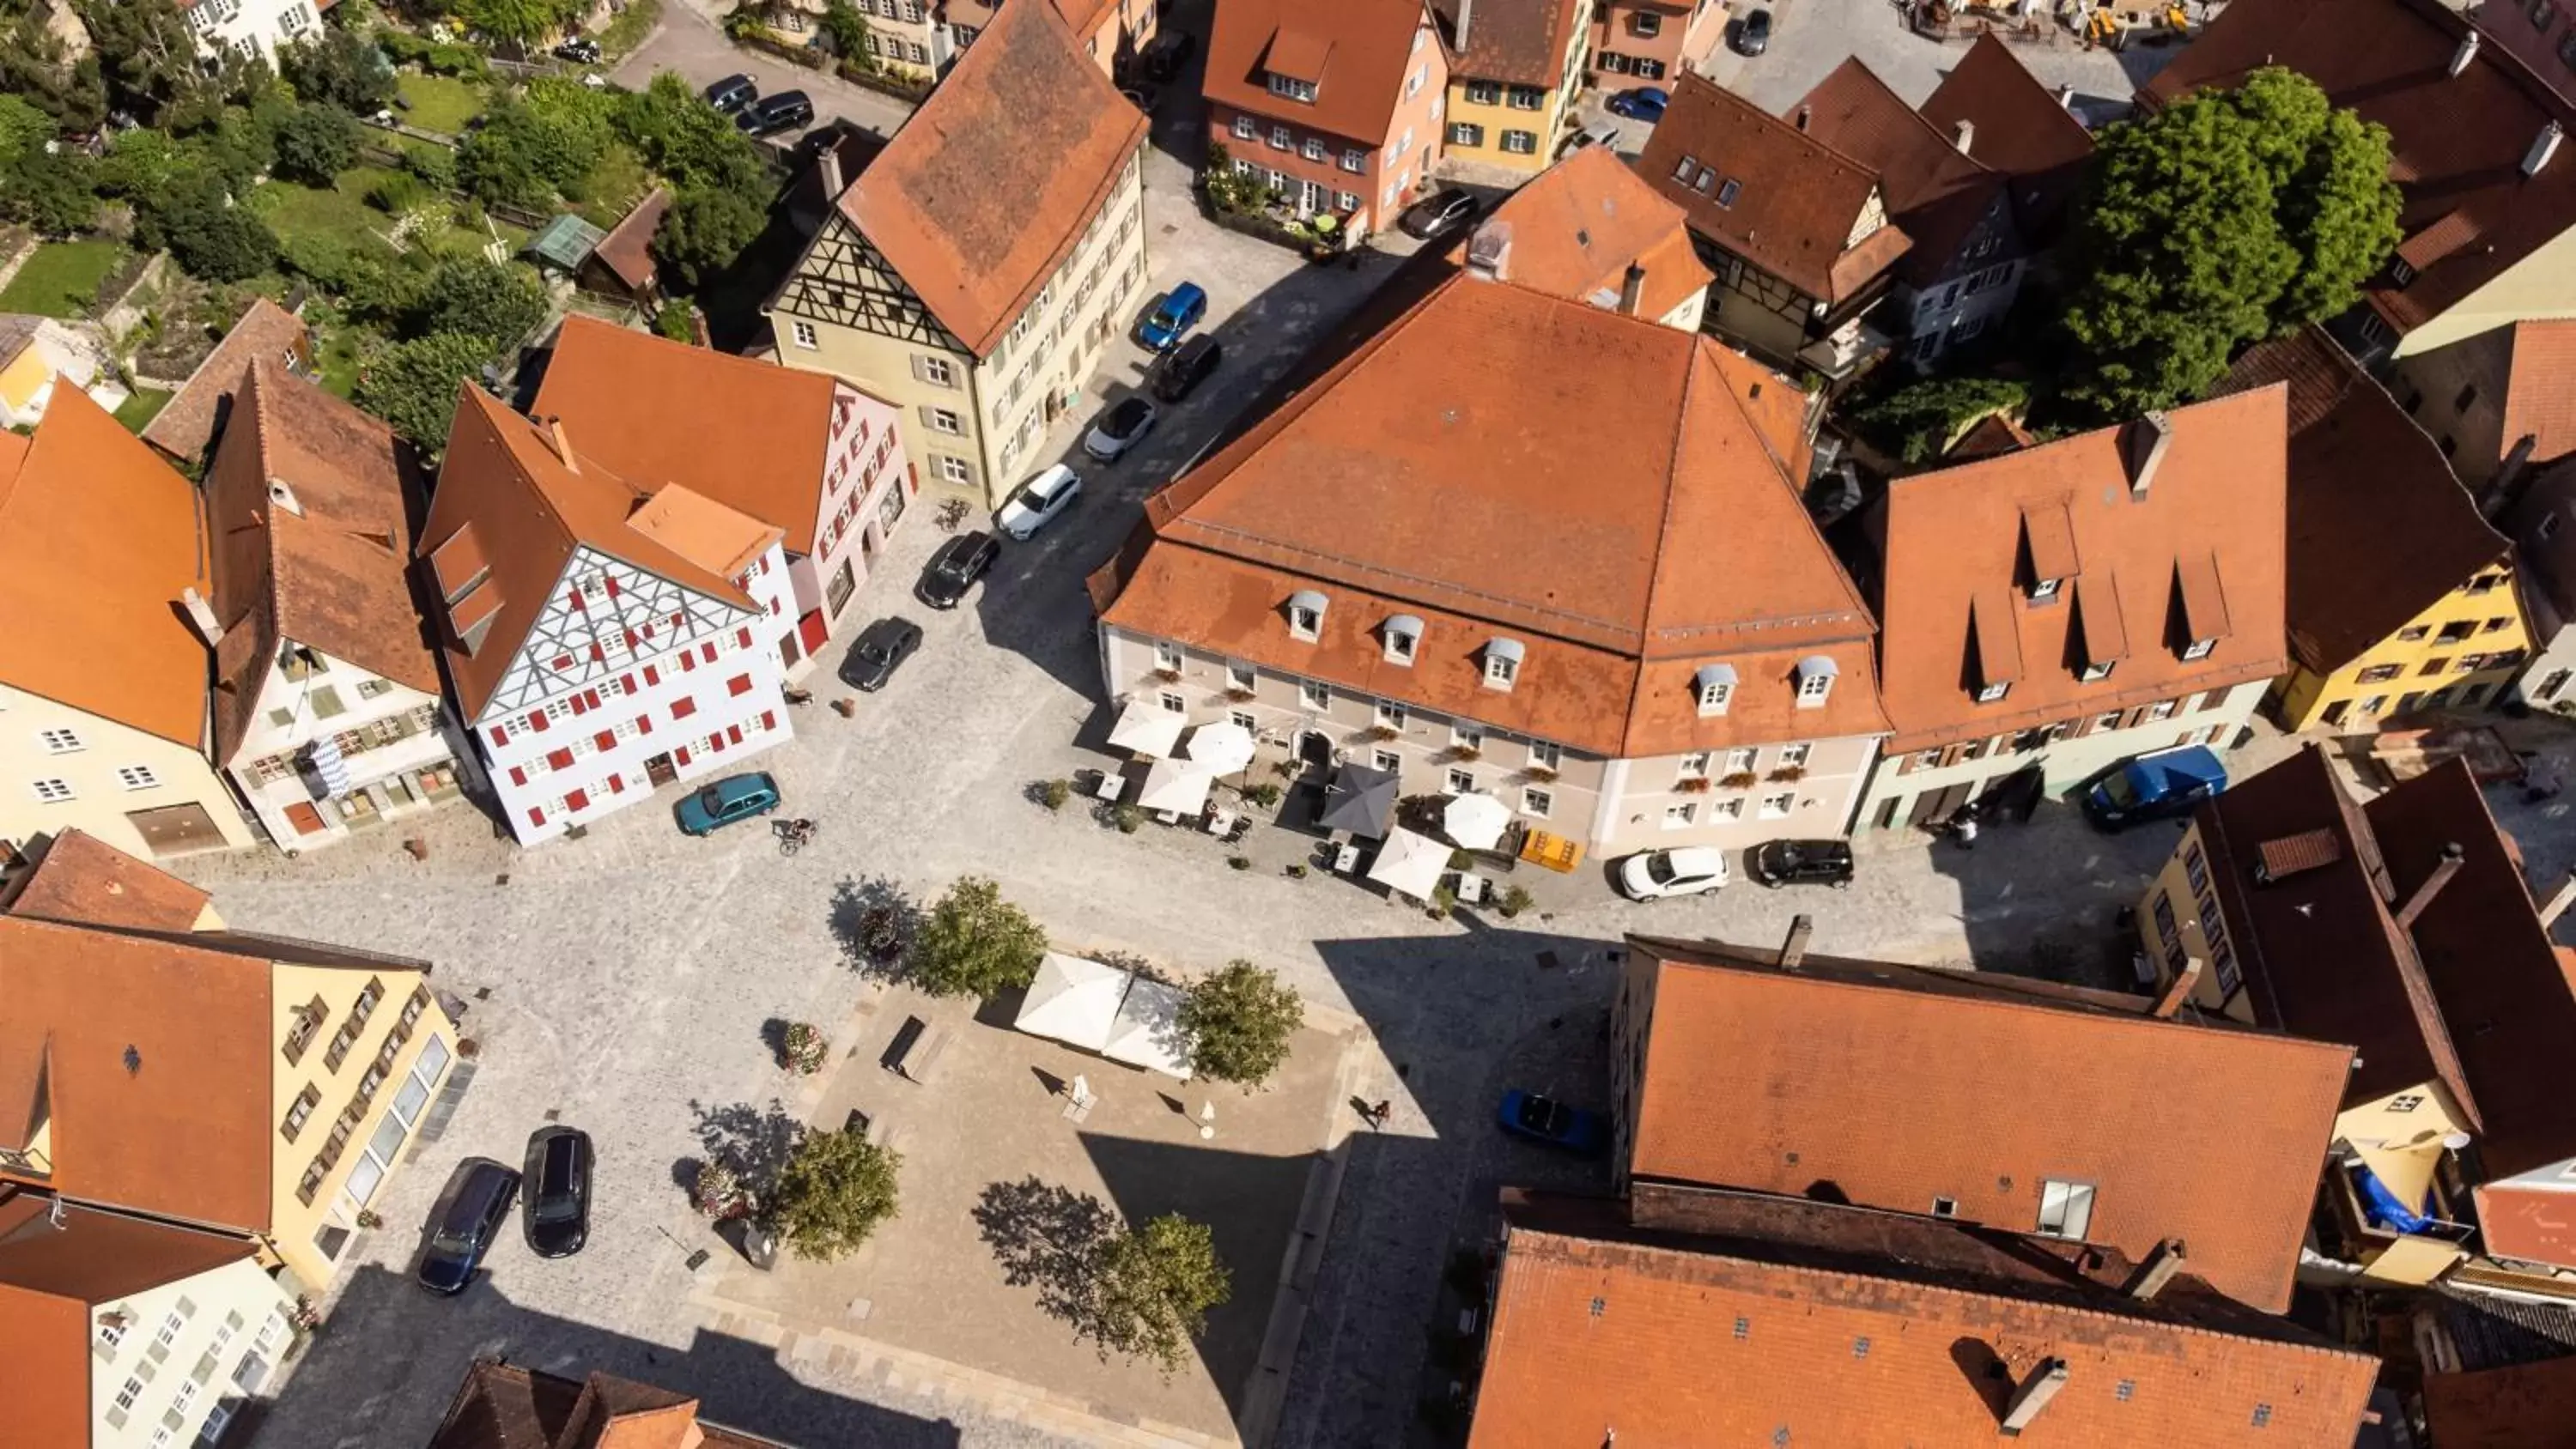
(1072, 1000)
(1220, 748)
(1179, 786)
(1148, 1032)
(1475, 820)
(1410, 864)
(1146, 728)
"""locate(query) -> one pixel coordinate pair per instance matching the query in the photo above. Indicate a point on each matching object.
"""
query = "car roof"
(562, 1149)
(1699, 859)
(1188, 290)
(1053, 478)
(1199, 344)
(474, 1192)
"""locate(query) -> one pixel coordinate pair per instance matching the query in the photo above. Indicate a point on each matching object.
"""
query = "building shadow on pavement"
(2045, 898)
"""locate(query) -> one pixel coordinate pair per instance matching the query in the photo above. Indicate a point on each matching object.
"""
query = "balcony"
(2391, 1240)
(1837, 354)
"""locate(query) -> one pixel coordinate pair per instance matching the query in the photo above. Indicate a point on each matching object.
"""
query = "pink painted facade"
(865, 492)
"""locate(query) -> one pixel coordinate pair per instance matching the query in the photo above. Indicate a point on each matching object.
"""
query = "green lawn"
(295, 212)
(614, 185)
(60, 279)
(137, 412)
(440, 103)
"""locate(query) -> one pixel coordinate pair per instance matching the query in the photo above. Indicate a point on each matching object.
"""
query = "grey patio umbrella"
(1360, 800)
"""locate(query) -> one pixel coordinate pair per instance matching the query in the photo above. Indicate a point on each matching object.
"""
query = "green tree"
(1239, 1021)
(315, 144)
(836, 1189)
(147, 54)
(1919, 422)
(975, 943)
(23, 127)
(845, 28)
(1151, 1290)
(499, 300)
(35, 68)
(521, 22)
(412, 385)
(340, 67)
(702, 233)
(2229, 217)
(215, 243)
(679, 135)
(523, 153)
(56, 192)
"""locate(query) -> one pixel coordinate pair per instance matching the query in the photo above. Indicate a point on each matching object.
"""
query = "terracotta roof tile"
(1893, 1086)
(186, 424)
(504, 1406)
(2533, 1222)
(2022, 131)
(98, 540)
(1935, 192)
(1583, 222)
(1410, 477)
(1357, 53)
(2540, 391)
(2526, 1406)
(1517, 42)
(1798, 201)
(2457, 143)
(80, 880)
(1954, 538)
(980, 197)
(627, 249)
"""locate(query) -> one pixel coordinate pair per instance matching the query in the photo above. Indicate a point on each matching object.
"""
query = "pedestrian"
(1379, 1113)
(1964, 829)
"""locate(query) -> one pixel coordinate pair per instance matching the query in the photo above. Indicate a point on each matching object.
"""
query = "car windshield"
(1542, 1115)
(953, 562)
(875, 651)
(2120, 790)
(1032, 496)
(710, 800)
(1127, 416)
(1168, 314)
(446, 1241)
(1659, 869)
(562, 1207)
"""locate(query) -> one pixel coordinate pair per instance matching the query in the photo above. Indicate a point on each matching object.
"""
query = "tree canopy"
(412, 385)
(496, 300)
(520, 21)
(2225, 218)
(314, 144)
(836, 1189)
(1151, 1290)
(147, 54)
(975, 943)
(339, 67)
(1239, 1021)
(705, 229)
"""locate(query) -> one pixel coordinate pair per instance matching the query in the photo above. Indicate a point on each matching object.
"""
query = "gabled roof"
(1517, 42)
(308, 510)
(1356, 53)
(1892, 1086)
(79, 880)
(505, 1406)
(2540, 390)
(627, 248)
(186, 424)
(98, 540)
(2457, 143)
(750, 435)
(2524, 1406)
(2022, 131)
(515, 514)
(2200, 556)
(1579, 226)
(1411, 477)
(1797, 203)
(981, 196)
(2379, 527)
(1935, 191)
(1817, 1339)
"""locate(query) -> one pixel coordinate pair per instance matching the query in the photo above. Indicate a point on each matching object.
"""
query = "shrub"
(434, 165)
(397, 193)
(315, 144)
(672, 321)
(219, 244)
(1266, 794)
(807, 1048)
(1127, 818)
(1055, 792)
(718, 1193)
(1515, 900)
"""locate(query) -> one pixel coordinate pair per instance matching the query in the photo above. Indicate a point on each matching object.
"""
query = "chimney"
(2467, 52)
(2559, 902)
(1805, 114)
(201, 614)
(1964, 136)
(2066, 98)
(1489, 252)
(1631, 288)
(2179, 991)
(2543, 146)
(2033, 1395)
(2157, 1271)
(2446, 868)
(1466, 12)
(1794, 949)
(2143, 450)
(828, 168)
(562, 444)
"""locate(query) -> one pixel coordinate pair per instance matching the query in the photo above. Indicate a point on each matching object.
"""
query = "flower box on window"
(1539, 774)
(1738, 780)
(1789, 774)
(1692, 785)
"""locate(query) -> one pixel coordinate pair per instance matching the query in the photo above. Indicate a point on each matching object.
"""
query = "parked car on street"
(1438, 212)
(1776, 863)
(733, 93)
(463, 1223)
(1607, 136)
(1167, 52)
(784, 111)
(2157, 785)
(1642, 103)
(1186, 366)
(1753, 33)
(1120, 428)
(1172, 316)
(557, 1209)
(1038, 502)
(955, 568)
(1687, 870)
(580, 50)
(873, 657)
(728, 801)
(1545, 1119)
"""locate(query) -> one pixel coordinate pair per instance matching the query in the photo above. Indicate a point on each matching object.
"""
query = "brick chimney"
(2443, 870)
(2157, 1271)
(2179, 991)
(202, 614)
(1631, 288)
(1794, 949)
(827, 169)
(1489, 252)
(2046, 1378)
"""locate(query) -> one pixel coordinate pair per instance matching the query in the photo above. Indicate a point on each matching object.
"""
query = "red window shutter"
(611, 583)
(606, 739)
(617, 784)
(681, 754)
(500, 734)
(576, 599)
(580, 705)
(563, 661)
(593, 696)
(597, 653)
(518, 775)
(743, 636)
(536, 816)
(652, 675)
(577, 800)
(560, 759)
(707, 651)
(739, 684)
(537, 721)
(680, 620)
(733, 734)
(644, 724)
(626, 684)
(769, 719)
(688, 661)
(683, 707)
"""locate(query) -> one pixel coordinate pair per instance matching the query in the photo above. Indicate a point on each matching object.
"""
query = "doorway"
(660, 771)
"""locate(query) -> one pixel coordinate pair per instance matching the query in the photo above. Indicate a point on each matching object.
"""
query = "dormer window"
(1714, 685)
(1816, 680)
(1402, 635)
(1306, 615)
(2044, 591)
(1503, 663)
(1994, 693)
(2199, 648)
(2093, 672)
(1292, 88)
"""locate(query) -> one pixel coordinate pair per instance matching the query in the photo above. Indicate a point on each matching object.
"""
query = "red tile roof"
(1579, 226)
(2525, 1406)
(79, 880)
(1412, 476)
(505, 1406)
(2532, 1222)
(1517, 42)
(2540, 391)
(1937, 193)
(2457, 143)
(186, 424)
(981, 196)
(627, 250)
(2200, 555)
(2022, 131)
(1356, 52)
(1891, 1086)
(1799, 201)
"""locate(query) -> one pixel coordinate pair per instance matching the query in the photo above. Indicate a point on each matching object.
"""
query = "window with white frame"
(1243, 721)
(184, 1396)
(1462, 782)
(803, 333)
(1306, 615)
(1815, 680)
(1715, 687)
(1544, 756)
(2065, 1208)
(1682, 816)
(2199, 648)
(1246, 129)
(2161, 709)
(948, 422)
(1520, 143)
(1390, 715)
(125, 1396)
(1173, 702)
(1280, 140)
(1355, 159)
(1402, 636)
(1535, 801)
(1292, 88)
(1503, 663)
(954, 470)
(1775, 807)
(1316, 150)
(171, 1323)
(1317, 697)
(938, 370)
(1728, 809)
(1349, 201)
(1794, 757)
(2093, 672)
(1387, 760)
(136, 777)
(1739, 761)
(52, 792)
(1167, 656)
(60, 742)
(1466, 736)
(1240, 677)
(1695, 766)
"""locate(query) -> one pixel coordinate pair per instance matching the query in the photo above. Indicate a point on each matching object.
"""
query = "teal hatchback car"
(733, 798)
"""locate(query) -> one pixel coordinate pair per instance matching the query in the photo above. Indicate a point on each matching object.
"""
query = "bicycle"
(794, 835)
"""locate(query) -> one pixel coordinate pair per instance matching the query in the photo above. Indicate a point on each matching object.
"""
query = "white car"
(1039, 501)
(1686, 871)
(1120, 428)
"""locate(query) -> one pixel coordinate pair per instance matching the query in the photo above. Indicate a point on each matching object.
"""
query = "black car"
(1186, 366)
(1753, 33)
(1437, 212)
(885, 644)
(733, 93)
(1777, 863)
(580, 50)
(784, 111)
(558, 1206)
(464, 1223)
(1166, 53)
(955, 568)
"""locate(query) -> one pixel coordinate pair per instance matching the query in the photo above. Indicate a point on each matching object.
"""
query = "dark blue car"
(733, 798)
(1645, 103)
(463, 1224)
(1173, 315)
(1545, 1119)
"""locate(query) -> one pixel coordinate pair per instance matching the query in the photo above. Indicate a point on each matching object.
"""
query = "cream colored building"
(980, 299)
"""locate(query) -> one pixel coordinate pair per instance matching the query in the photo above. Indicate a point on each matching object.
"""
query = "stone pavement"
(688, 40)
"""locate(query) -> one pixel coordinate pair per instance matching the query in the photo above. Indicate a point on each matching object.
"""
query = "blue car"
(1173, 315)
(733, 798)
(2158, 785)
(1545, 1119)
(1645, 103)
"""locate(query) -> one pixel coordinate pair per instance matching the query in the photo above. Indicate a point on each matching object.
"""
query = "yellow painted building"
(1513, 88)
(2459, 653)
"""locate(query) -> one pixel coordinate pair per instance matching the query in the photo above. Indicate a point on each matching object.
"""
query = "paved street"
(688, 40)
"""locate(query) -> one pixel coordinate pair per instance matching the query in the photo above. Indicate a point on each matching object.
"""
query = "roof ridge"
(1664, 530)
(1915, 113)
(794, 376)
(1831, 153)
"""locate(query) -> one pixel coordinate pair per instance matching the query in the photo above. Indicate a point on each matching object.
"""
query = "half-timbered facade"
(977, 296)
(601, 641)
